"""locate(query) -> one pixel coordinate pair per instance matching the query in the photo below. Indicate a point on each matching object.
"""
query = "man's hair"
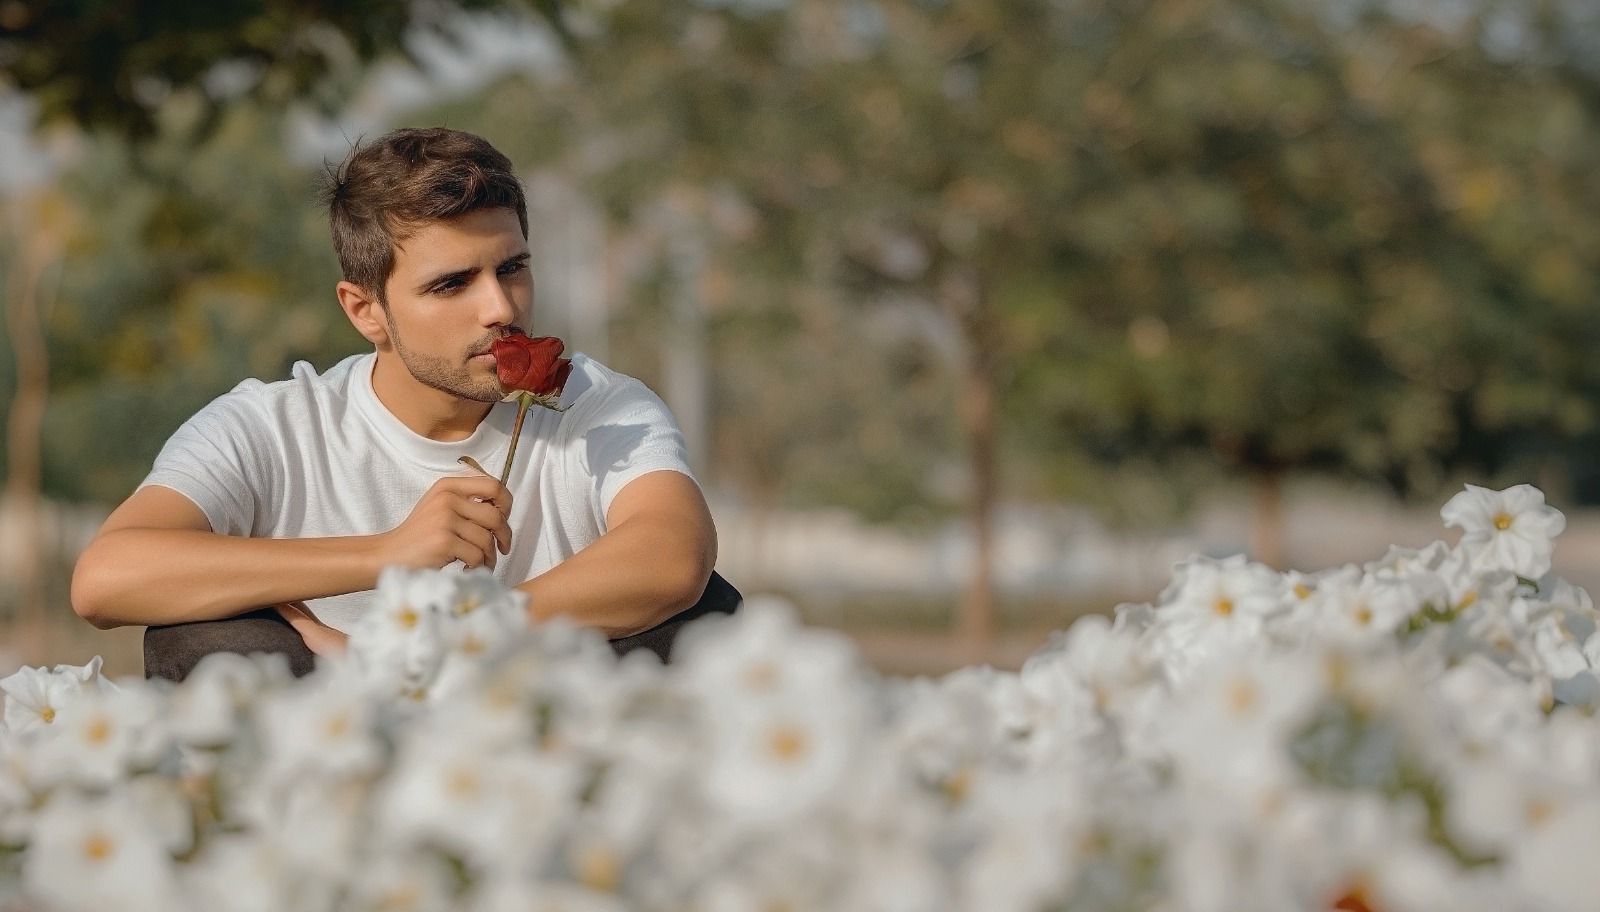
(389, 189)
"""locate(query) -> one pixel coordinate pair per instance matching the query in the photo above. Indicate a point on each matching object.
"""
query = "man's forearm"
(168, 576)
(628, 580)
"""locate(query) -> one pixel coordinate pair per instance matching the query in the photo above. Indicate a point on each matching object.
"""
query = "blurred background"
(978, 314)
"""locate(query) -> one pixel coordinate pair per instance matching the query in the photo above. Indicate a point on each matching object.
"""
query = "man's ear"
(364, 312)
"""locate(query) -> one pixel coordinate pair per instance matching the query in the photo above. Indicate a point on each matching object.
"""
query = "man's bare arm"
(156, 560)
(652, 562)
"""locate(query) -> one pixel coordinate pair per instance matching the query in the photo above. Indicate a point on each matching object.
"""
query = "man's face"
(456, 287)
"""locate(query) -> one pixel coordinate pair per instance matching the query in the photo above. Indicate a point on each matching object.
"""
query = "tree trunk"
(27, 305)
(978, 614)
(686, 380)
(1267, 528)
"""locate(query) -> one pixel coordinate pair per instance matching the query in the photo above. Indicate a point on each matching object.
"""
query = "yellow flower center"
(1467, 598)
(1223, 605)
(48, 714)
(470, 603)
(1242, 697)
(406, 617)
(1502, 521)
(1302, 591)
(1538, 811)
(787, 742)
(1336, 671)
(98, 847)
(761, 676)
(1363, 615)
(336, 725)
(405, 897)
(957, 786)
(98, 730)
(599, 868)
(462, 783)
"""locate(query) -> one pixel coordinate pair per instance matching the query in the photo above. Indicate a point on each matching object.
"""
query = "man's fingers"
(485, 515)
(478, 487)
(479, 539)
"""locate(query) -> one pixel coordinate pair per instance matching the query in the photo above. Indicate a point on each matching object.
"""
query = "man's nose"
(497, 308)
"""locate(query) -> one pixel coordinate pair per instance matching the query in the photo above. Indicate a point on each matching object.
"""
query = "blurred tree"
(1273, 254)
(44, 222)
(183, 279)
(104, 65)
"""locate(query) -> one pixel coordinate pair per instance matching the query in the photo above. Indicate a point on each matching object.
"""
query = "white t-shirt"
(320, 456)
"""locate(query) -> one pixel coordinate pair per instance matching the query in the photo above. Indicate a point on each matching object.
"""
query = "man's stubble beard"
(443, 375)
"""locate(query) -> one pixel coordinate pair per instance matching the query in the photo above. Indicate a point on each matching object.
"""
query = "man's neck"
(431, 413)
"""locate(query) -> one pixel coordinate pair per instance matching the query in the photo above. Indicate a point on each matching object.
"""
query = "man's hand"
(320, 638)
(461, 518)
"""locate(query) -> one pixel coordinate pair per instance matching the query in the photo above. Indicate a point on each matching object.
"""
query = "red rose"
(534, 365)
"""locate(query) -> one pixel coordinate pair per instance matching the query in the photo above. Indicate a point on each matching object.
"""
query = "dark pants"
(172, 651)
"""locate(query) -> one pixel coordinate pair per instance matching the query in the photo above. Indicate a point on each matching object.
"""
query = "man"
(295, 494)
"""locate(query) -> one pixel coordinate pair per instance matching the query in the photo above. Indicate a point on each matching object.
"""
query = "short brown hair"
(388, 189)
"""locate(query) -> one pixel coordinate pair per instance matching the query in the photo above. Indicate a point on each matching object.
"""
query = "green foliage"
(182, 280)
(112, 65)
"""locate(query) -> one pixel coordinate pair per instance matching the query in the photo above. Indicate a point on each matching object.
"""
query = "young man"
(295, 494)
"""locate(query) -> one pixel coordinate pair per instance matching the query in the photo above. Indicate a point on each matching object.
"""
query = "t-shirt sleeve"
(222, 460)
(629, 434)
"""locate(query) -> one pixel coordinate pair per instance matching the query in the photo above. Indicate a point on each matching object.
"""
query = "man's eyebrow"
(442, 278)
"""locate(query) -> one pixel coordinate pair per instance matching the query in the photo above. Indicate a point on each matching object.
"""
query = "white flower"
(241, 872)
(514, 894)
(1505, 530)
(774, 761)
(204, 710)
(400, 643)
(762, 653)
(404, 882)
(98, 854)
(35, 695)
(1351, 605)
(484, 617)
(99, 738)
(1211, 608)
(780, 703)
(315, 827)
(1230, 727)
(497, 809)
(1019, 862)
(319, 730)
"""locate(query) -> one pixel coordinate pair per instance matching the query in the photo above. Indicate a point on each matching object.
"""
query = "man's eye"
(449, 287)
(513, 268)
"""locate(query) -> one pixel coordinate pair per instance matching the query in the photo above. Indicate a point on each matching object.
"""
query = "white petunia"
(99, 738)
(1230, 728)
(204, 710)
(98, 853)
(774, 761)
(483, 618)
(400, 643)
(404, 882)
(496, 809)
(1019, 860)
(35, 695)
(1212, 608)
(242, 872)
(515, 894)
(763, 652)
(319, 730)
(1511, 530)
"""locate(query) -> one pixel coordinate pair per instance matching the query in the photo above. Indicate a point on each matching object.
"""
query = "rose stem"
(523, 401)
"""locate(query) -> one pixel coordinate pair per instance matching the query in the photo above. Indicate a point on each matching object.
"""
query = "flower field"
(1418, 733)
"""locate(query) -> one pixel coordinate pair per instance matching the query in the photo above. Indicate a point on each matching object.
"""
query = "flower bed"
(1417, 733)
